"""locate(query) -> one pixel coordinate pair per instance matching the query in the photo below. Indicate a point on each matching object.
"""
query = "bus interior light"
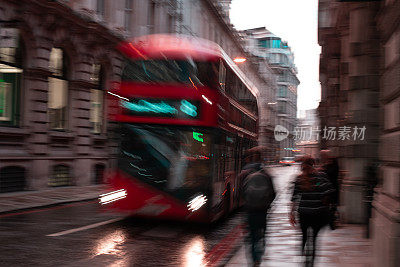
(112, 196)
(197, 202)
(120, 97)
(188, 108)
(206, 99)
(146, 106)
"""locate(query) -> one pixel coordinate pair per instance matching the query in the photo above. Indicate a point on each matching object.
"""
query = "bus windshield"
(166, 157)
(202, 73)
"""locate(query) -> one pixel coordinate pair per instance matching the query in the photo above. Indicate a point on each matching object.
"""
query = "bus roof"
(170, 46)
(177, 46)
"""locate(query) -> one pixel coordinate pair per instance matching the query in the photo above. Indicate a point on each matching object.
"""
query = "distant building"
(264, 44)
(307, 133)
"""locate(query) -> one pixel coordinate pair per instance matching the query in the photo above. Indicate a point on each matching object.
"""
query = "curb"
(220, 257)
(230, 255)
(56, 203)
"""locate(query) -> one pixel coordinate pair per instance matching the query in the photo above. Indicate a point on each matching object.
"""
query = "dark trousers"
(314, 223)
(257, 223)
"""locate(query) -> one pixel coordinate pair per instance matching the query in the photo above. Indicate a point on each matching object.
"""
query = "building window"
(60, 176)
(271, 43)
(171, 24)
(128, 15)
(276, 43)
(97, 99)
(12, 179)
(99, 174)
(100, 7)
(10, 77)
(284, 59)
(281, 107)
(58, 90)
(282, 91)
(151, 17)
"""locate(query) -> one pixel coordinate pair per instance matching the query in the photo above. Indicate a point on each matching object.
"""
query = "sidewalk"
(344, 246)
(10, 202)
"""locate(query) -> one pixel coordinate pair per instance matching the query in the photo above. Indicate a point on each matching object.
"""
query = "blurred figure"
(330, 166)
(312, 196)
(258, 193)
(371, 175)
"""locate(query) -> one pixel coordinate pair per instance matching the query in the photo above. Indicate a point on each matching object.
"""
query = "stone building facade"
(57, 58)
(385, 223)
(54, 67)
(349, 75)
(359, 74)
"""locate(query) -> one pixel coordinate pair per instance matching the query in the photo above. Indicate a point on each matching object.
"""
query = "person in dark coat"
(312, 195)
(254, 178)
(330, 167)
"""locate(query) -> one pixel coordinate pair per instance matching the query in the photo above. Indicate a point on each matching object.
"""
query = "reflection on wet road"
(84, 236)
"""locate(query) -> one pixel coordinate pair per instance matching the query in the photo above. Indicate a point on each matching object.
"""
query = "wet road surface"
(80, 234)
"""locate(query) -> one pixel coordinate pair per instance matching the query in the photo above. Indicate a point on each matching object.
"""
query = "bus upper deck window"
(222, 75)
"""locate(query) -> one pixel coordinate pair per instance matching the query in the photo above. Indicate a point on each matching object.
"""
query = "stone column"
(36, 111)
(362, 110)
(385, 221)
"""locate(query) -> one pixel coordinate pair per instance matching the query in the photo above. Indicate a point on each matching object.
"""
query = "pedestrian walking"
(312, 196)
(258, 194)
(330, 167)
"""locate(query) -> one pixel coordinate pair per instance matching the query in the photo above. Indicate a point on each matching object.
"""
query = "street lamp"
(239, 59)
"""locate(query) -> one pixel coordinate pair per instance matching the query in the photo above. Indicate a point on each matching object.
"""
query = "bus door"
(238, 167)
(218, 181)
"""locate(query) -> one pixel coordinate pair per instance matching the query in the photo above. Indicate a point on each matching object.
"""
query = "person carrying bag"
(258, 194)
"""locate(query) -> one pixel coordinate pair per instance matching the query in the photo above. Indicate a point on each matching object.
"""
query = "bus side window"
(208, 74)
(230, 157)
(245, 146)
(222, 75)
(239, 155)
(220, 149)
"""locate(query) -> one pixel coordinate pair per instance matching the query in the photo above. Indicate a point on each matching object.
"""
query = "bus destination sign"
(170, 108)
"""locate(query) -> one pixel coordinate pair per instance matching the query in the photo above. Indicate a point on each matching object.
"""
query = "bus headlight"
(197, 202)
(112, 196)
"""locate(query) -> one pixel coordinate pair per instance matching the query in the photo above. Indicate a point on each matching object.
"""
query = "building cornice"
(60, 10)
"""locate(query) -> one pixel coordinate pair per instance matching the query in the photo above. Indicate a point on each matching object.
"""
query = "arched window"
(11, 69)
(61, 176)
(99, 174)
(12, 179)
(58, 90)
(97, 99)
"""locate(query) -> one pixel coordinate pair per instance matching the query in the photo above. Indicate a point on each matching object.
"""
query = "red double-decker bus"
(185, 115)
